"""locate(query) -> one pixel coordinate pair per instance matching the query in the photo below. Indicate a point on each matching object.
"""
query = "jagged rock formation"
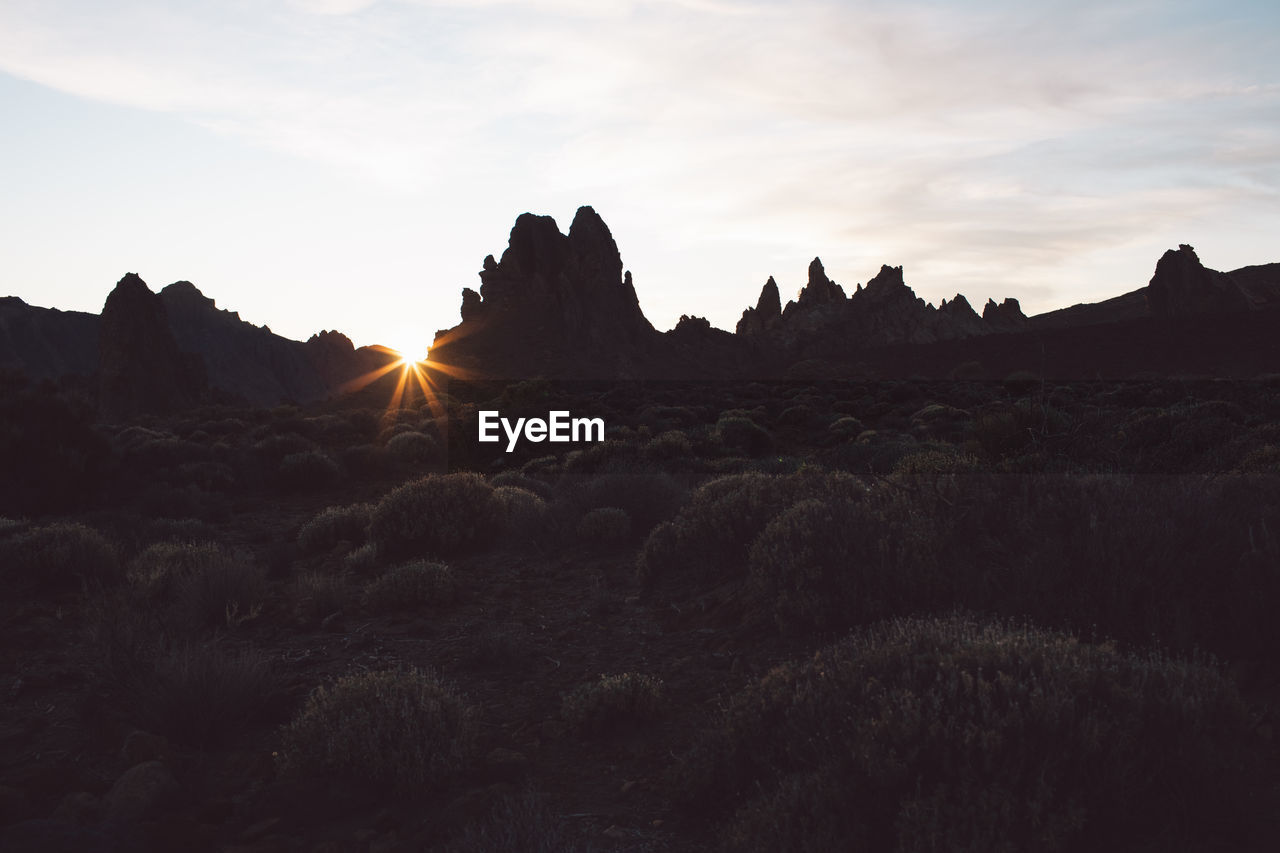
(962, 316)
(241, 358)
(136, 372)
(1182, 286)
(1006, 316)
(46, 343)
(555, 304)
(766, 315)
(141, 368)
(823, 323)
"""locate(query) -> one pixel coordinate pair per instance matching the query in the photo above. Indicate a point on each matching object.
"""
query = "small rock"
(615, 832)
(628, 785)
(140, 791)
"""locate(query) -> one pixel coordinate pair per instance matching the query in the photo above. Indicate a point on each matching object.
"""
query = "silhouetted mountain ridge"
(562, 305)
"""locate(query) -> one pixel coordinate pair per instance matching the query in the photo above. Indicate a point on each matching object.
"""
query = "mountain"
(46, 343)
(562, 306)
(558, 304)
(140, 368)
(156, 353)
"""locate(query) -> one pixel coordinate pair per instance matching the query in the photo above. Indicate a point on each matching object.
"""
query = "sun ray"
(366, 379)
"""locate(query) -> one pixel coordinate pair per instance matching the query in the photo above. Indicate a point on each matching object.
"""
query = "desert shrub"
(950, 734)
(968, 371)
(520, 823)
(12, 526)
(524, 515)
(333, 525)
(669, 445)
(206, 475)
(825, 564)
(403, 729)
(846, 428)
(648, 497)
(273, 449)
(541, 488)
(999, 431)
(207, 584)
(58, 556)
(1021, 382)
(711, 535)
(606, 527)
(410, 586)
(541, 466)
(609, 455)
(1260, 460)
(436, 514)
(310, 469)
(148, 457)
(932, 460)
(363, 560)
(200, 695)
(155, 571)
(316, 595)
(413, 448)
(1180, 558)
(613, 702)
(365, 460)
(743, 435)
(52, 458)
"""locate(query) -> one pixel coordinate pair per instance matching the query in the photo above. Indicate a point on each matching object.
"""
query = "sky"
(321, 164)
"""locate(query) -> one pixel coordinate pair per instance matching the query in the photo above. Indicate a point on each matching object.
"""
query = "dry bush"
(333, 525)
(605, 527)
(58, 556)
(950, 734)
(201, 585)
(520, 823)
(743, 436)
(613, 702)
(413, 585)
(439, 514)
(202, 695)
(401, 728)
(413, 448)
(524, 515)
(710, 537)
(316, 595)
(310, 469)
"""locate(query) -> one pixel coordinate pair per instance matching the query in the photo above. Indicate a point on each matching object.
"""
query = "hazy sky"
(348, 163)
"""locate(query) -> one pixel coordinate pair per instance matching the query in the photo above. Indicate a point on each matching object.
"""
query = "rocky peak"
(766, 315)
(141, 366)
(958, 308)
(820, 290)
(186, 293)
(1183, 286)
(554, 301)
(1007, 316)
(888, 280)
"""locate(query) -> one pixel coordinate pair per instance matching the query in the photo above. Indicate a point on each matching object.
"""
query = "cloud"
(983, 141)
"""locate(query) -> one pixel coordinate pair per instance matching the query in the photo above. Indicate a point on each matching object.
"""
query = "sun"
(410, 351)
